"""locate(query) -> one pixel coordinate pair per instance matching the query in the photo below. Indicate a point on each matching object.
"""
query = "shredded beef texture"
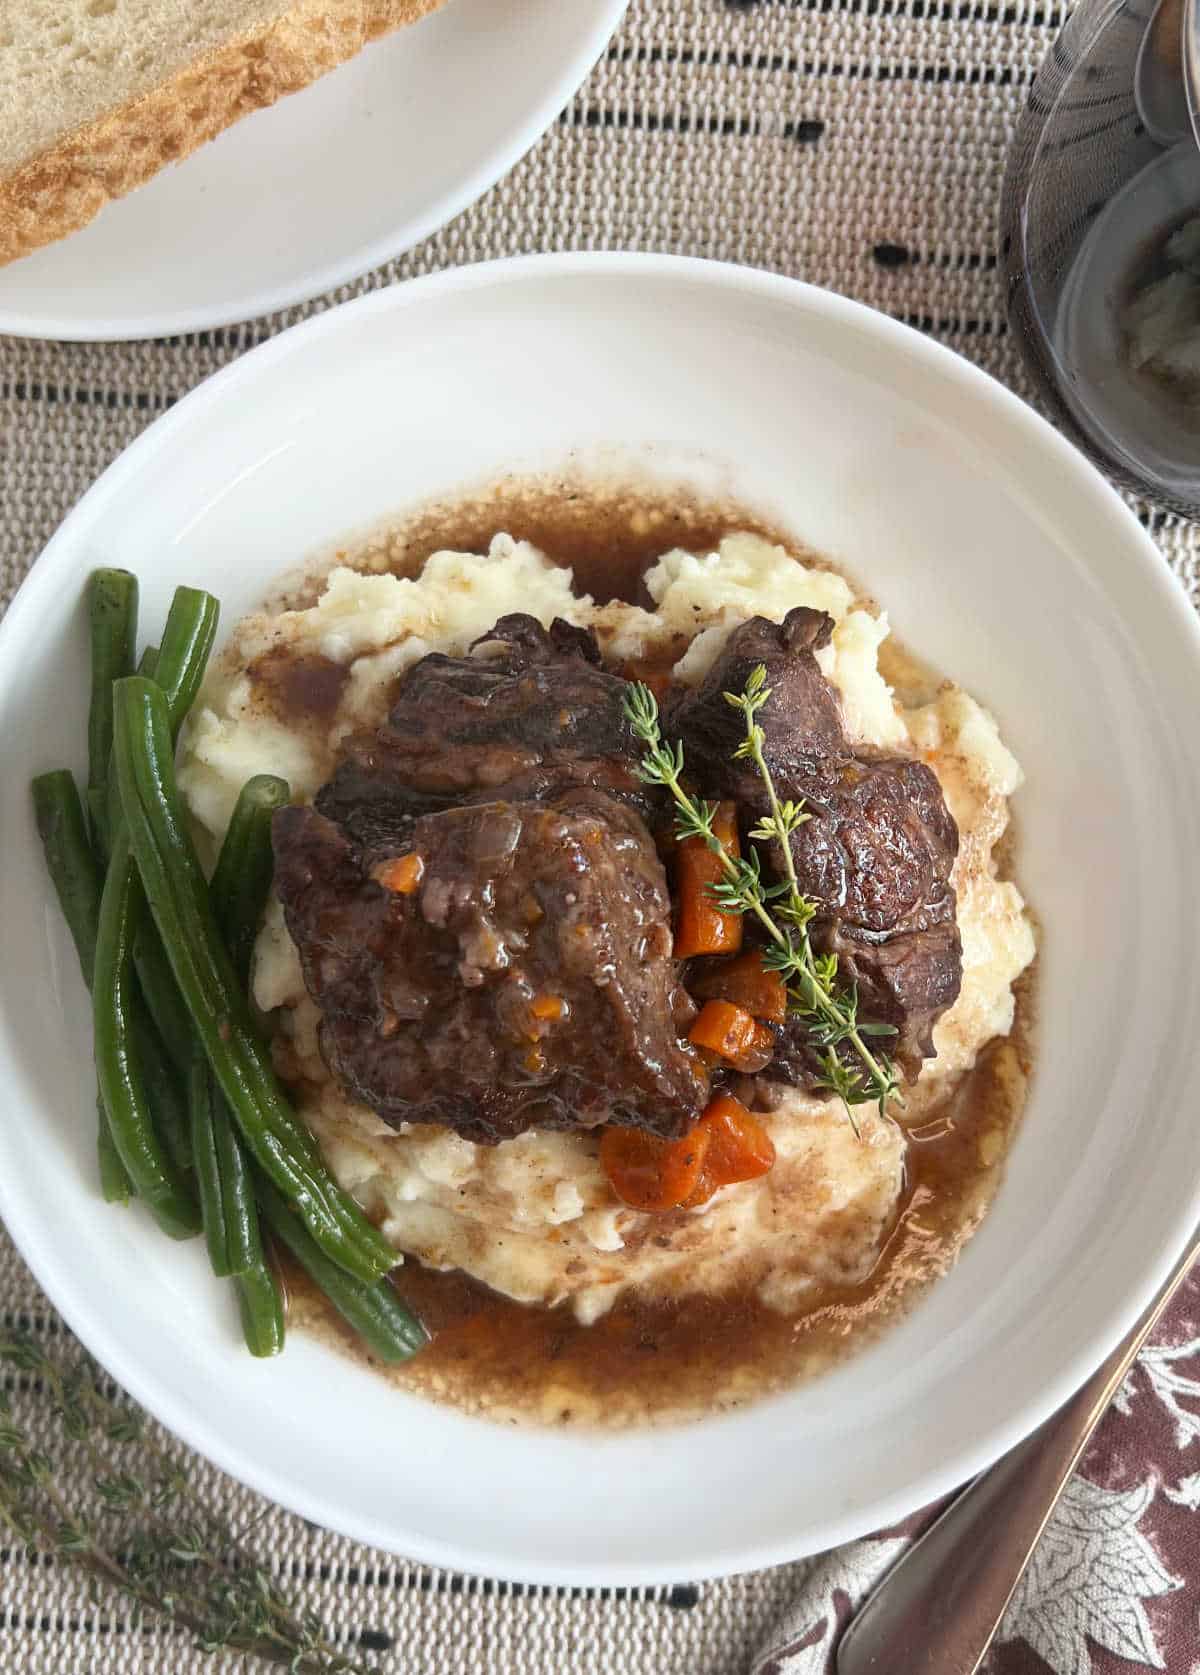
(876, 852)
(526, 983)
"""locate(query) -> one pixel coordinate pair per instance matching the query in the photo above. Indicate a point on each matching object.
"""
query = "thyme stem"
(813, 991)
(782, 824)
(131, 1519)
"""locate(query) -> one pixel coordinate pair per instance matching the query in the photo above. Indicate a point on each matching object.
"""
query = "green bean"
(76, 879)
(175, 888)
(165, 1095)
(119, 1063)
(77, 884)
(69, 860)
(147, 663)
(160, 991)
(187, 641)
(223, 1176)
(178, 666)
(244, 868)
(237, 1192)
(375, 1312)
(191, 628)
(112, 613)
(203, 1100)
(238, 893)
(261, 1309)
(231, 1215)
(114, 1178)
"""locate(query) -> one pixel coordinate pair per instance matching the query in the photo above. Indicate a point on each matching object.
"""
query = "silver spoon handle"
(937, 1611)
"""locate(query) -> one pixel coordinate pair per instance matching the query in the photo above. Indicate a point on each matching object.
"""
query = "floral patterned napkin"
(1115, 1581)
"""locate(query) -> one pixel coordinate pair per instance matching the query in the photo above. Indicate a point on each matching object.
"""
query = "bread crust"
(61, 189)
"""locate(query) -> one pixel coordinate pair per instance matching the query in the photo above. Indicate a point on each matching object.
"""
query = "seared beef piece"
(527, 983)
(802, 720)
(510, 773)
(374, 811)
(880, 844)
(531, 717)
(877, 851)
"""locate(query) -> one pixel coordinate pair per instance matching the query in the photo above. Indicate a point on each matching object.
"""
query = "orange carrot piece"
(734, 1034)
(701, 928)
(723, 1028)
(402, 876)
(547, 1007)
(652, 1174)
(739, 1149)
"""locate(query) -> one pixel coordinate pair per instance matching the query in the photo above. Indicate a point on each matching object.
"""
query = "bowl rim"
(53, 1274)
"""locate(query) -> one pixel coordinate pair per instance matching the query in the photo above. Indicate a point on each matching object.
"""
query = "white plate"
(307, 195)
(1000, 554)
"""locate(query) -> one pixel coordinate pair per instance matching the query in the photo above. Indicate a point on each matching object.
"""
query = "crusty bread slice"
(99, 94)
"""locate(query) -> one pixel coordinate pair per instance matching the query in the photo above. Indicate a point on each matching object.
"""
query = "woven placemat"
(858, 144)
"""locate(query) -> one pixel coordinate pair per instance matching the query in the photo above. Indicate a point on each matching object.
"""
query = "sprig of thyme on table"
(782, 909)
(116, 1503)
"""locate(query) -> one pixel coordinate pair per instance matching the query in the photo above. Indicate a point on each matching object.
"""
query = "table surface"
(858, 144)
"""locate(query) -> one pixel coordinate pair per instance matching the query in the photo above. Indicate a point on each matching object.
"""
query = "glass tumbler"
(1101, 241)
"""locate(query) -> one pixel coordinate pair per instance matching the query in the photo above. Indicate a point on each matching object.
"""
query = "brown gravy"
(608, 536)
(661, 1361)
(300, 689)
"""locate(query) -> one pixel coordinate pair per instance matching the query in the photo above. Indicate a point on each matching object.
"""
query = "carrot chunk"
(402, 876)
(652, 1174)
(727, 1145)
(734, 1034)
(739, 1149)
(700, 926)
(723, 1028)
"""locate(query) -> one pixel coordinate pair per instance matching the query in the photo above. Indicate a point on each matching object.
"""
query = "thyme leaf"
(856, 1073)
(115, 1502)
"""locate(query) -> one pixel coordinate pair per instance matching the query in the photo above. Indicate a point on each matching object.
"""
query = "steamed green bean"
(178, 897)
(112, 621)
(375, 1312)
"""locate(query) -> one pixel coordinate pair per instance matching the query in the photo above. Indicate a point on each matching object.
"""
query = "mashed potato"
(534, 1218)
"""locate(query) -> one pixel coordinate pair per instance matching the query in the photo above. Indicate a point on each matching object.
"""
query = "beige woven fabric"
(858, 144)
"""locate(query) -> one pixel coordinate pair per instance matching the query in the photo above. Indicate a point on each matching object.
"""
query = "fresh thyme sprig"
(115, 1502)
(784, 911)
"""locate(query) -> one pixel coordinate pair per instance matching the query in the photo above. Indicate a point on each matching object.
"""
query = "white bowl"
(1001, 556)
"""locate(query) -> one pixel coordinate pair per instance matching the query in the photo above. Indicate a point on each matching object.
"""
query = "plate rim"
(196, 1430)
(333, 275)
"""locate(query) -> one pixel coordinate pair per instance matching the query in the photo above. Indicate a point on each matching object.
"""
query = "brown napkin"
(1115, 1582)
